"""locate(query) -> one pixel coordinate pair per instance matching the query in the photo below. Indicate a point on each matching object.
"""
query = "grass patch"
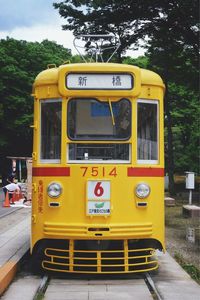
(187, 254)
(174, 218)
(193, 271)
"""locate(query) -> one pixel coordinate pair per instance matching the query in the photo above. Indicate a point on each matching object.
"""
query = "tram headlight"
(142, 190)
(54, 190)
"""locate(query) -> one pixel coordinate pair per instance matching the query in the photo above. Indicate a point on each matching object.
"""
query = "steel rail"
(151, 286)
(42, 288)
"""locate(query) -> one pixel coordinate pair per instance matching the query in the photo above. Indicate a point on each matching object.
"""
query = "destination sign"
(85, 81)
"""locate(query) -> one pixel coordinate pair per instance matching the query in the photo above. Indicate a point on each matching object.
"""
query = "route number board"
(98, 197)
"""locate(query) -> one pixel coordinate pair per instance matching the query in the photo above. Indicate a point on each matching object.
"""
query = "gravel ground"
(176, 242)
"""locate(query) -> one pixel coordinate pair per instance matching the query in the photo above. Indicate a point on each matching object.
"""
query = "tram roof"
(51, 75)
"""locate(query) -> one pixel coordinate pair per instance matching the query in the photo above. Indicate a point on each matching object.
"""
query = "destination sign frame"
(99, 81)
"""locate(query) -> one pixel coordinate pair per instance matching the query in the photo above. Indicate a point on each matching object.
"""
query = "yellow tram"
(98, 168)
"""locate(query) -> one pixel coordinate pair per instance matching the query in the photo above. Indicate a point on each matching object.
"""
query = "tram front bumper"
(98, 256)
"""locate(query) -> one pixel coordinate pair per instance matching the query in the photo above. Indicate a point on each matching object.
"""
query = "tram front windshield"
(92, 120)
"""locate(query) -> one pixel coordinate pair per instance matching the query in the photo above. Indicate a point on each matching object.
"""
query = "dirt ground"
(176, 243)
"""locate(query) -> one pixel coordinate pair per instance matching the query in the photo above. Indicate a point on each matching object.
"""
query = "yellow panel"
(127, 220)
(99, 68)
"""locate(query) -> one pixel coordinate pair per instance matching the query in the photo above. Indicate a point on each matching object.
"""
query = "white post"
(190, 197)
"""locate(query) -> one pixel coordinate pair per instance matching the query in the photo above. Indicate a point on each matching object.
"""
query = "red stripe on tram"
(51, 171)
(145, 172)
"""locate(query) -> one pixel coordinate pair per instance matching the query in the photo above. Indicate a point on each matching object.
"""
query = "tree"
(170, 28)
(20, 62)
(185, 128)
(124, 18)
(173, 54)
(141, 61)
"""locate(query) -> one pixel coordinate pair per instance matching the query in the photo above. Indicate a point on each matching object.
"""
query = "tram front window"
(89, 119)
(92, 120)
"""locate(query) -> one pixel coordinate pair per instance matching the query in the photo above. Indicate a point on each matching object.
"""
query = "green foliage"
(124, 18)
(141, 61)
(192, 270)
(172, 52)
(169, 29)
(185, 115)
(20, 62)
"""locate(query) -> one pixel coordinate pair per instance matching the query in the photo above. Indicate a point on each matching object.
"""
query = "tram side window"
(50, 130)
(147, 131)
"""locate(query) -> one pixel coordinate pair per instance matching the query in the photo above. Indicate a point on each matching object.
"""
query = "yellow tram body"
(92, 213)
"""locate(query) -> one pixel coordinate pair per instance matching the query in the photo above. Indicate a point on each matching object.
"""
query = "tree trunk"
(170, 151)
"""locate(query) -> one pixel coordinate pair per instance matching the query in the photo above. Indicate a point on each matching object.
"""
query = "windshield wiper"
(111, 112)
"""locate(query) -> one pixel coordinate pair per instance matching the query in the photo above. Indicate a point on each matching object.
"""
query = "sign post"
(189, 184)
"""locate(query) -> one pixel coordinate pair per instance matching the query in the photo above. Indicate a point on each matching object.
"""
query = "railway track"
(73, 287)
(151, 286)
(51, 288)
(78, 286)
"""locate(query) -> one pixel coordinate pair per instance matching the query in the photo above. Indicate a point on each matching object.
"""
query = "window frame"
(149, 161)
(99, 139)
(43, 160)
(100, 161)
